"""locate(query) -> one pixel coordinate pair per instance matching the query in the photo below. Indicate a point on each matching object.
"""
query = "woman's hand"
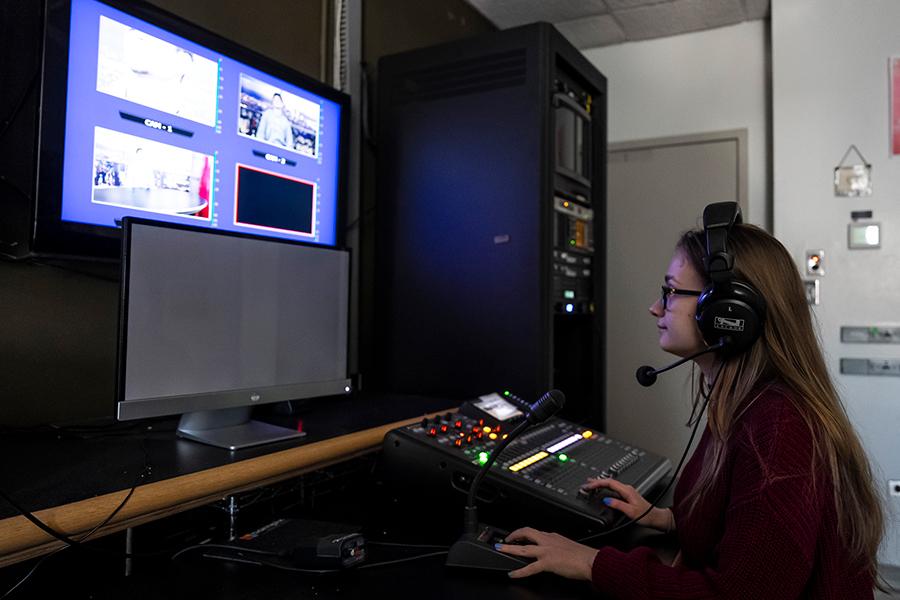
(552, 553)
(632, 504)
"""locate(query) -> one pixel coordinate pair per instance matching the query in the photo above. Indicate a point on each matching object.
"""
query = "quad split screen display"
(162, 127)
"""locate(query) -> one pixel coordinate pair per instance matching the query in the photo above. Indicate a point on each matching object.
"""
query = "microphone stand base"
(476, 551)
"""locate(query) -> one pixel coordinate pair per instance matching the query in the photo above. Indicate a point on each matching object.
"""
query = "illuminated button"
(458, 442)
(458, 424)
(476, 429)
(587, 434)
(483, 457)
(468, 439)
(479, 435)
(506, 392)
(564, 443)
(570, 307)
(444, 428)
(480, 422)
(562, 458)
(493, 436)
(432, 432)
(505, 435)
(528, 461)
(487, 429)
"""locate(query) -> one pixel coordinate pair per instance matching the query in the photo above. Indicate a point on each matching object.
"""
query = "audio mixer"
(548, 463)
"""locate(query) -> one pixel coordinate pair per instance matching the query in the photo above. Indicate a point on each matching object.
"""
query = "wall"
(830, 90)
(695, 83)
(288, 31)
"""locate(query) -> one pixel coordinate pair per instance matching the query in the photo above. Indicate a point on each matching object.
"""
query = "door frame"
(739, 136)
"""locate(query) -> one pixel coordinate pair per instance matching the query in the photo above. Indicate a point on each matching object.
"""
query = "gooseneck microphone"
(646, 375)
(475, 548)
(538, 412)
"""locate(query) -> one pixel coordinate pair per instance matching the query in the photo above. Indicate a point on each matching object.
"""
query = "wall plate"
(815, 262)
(871, 366)
(870, 334)
(863, 236)
(812, 291)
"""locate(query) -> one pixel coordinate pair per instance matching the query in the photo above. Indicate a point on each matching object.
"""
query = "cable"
(662, 494)
(284, 567)
(7, 123)
(402, 545)
(145, 471)
(402, 560)
(222, 547)
(31, 572)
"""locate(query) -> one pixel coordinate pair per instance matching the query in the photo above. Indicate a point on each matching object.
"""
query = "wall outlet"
(894, 487)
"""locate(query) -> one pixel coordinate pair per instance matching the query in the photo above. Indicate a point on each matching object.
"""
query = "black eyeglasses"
(670, 291)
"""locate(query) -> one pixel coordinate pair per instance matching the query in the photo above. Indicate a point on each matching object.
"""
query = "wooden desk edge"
(21, 540)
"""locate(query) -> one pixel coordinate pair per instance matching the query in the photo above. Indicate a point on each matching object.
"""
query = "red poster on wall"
(895, 105)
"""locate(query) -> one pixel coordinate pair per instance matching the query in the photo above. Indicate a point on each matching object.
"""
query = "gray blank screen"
(210, 312)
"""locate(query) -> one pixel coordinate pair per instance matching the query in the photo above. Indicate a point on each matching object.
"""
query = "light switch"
(815, 262)
(812, 291)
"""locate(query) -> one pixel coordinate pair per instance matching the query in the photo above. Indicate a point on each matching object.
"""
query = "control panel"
(550, 462)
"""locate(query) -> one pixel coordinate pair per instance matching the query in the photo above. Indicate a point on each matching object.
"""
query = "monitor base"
(231, 429)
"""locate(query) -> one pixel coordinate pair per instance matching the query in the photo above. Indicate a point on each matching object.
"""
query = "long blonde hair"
(788, 353)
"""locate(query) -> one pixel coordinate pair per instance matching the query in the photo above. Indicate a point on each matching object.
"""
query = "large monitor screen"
(213, 320)
(161, 126)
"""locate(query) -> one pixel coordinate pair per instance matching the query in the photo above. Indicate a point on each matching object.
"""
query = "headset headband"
(718, 219)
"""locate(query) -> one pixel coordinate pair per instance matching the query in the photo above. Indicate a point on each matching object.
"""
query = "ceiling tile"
(679, 16)
(510, 13)
(592, 32)
(756, 9)
(615, 5)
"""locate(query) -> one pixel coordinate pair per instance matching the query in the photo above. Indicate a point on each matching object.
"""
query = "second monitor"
(213, 323)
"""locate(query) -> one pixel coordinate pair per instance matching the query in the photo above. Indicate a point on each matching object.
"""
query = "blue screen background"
(87, 108)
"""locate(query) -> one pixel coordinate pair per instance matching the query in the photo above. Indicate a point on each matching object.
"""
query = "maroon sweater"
(763, 531)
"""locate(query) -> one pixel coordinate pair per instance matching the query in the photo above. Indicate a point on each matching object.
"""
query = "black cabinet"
(491, 171)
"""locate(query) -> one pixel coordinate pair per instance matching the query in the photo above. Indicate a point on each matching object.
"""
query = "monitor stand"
(231, 428)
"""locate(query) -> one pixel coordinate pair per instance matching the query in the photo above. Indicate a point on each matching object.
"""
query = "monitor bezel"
(51, 235)
(127, 410)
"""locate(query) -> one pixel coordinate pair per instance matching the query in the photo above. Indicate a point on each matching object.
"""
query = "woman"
(777, 500)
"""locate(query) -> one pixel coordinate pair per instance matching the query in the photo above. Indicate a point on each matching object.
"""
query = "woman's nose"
(656, 308)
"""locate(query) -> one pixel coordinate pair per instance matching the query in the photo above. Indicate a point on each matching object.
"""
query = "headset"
(730, 312)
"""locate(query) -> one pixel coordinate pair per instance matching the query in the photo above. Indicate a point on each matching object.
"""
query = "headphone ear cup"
(733, 310)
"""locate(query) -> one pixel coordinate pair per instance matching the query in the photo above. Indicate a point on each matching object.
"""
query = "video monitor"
(147, 115)
(213, 323)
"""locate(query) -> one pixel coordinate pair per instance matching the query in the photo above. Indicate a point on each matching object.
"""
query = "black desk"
(72, 484)
(83, 574)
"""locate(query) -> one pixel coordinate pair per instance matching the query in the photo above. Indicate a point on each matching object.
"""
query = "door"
(657, 190)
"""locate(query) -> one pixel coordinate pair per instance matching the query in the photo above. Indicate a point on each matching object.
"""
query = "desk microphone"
(646, 375)
(474, 549)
